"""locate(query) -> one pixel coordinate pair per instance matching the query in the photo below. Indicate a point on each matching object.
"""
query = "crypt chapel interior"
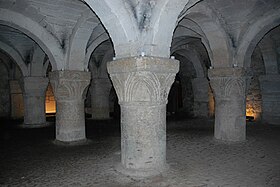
(114, 93)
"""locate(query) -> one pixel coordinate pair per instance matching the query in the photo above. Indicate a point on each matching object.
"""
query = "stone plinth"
(142, 85)
(100, 91)
(34, 90)
(69, 90)
(270, 90)
(229, 85)
(200, 92)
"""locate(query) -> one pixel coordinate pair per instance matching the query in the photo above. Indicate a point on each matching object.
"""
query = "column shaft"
(100, 91)
(34, 90)
(200, 92)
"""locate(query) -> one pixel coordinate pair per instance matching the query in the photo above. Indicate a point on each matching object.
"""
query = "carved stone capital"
(69, 85)
(35, 86)
(143, 80)
(228, 82)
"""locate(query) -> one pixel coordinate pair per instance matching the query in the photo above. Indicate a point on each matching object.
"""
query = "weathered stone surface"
(17, 106)
(4, 90)
(253, 96)
(142, 85)
(200, 91)
(270, 89)
(69, 90)
(100, 91)
(34, 90)
(229, 85)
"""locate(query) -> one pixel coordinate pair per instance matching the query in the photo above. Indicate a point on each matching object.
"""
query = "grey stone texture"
(229, 86)
(201, 99)
(100, 103)
(34, 90)
(270, 89)
(17, 104)
(70, 88)
(142, 85)
(4, 91)
(254, 96)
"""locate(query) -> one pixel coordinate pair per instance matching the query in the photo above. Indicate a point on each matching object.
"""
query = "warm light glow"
(50, 101)
(250, 112)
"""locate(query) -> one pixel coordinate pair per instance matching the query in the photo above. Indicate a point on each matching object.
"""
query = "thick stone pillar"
(142, 85)
(69, 90)
(100, 91)
(17, 106)
(270, 89)
(34, 94)
(200, 92)
(229, 85)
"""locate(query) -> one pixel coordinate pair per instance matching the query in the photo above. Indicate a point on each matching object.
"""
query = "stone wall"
(4, 91)
(254, 97)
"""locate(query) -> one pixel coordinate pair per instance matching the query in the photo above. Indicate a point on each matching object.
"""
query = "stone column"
(100, 91)
(142, 85)
(200, 92)
(69, 90)
(17, 107)
(270, 89)
(34, 93)
(229, 85)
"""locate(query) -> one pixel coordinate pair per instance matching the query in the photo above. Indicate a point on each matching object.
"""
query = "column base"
(72, 143)
(100, 118)
(34, 126)
(140, 173)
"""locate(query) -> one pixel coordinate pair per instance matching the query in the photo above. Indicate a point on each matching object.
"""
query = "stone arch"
(16, 57)
(269, 55)
(219, 50)
(167, 11)
(78, 42)
(98, 41)
(107, 57)
(129, 38)
(253, 36)
(121, 28)
(183, 30)
(35, 31)
(192, 56)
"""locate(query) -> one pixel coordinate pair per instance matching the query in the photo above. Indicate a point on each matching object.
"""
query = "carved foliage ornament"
(69, 85)
(144, 86)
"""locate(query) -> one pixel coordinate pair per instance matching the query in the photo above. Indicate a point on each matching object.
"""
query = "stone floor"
(30, 158)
